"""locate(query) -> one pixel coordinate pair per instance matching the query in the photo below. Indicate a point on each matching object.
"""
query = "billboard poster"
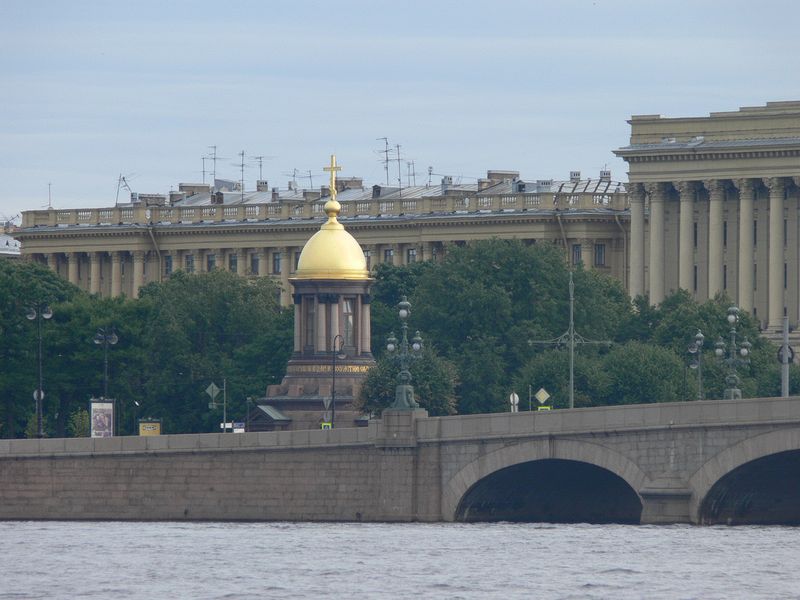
(102, 419)
(149, 426)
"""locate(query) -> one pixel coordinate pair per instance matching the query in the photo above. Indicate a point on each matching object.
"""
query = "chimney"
(447, 181)
(291, 186)
(484, 183)
(276, 195)
(262, 185)
(218, 198)
(574, 176)
(175, 197)
(310, 195)
(605, 175)
(325, 190)
(376, 191)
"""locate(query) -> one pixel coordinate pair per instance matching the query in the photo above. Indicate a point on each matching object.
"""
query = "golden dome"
(332, 253)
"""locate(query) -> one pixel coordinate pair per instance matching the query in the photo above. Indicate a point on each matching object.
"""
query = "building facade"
(714, 205)
(116, 250)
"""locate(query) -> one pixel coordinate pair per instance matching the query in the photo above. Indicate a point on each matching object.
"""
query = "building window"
(388, 255)
(725, 234)
(233, 262)
(694, 234)
(411, 256)
(576, 254)
(296, 260)
(724, 277)
(190, 263)
(211, 262)
(599, 255)
(254, 264)
(276, 263)
(368, 258)
(755, 232)
(348, 325)
(694, 277)
(168, 265)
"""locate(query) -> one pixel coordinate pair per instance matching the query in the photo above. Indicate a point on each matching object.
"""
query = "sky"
(92, 90)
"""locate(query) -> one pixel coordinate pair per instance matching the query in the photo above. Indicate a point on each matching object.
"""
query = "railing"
(305, 210)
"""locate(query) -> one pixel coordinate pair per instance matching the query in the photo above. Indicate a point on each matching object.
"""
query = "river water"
(106, 560)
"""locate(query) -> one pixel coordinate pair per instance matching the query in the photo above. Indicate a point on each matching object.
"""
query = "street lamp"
(404, 392)
(737, 356)
(695, 350)
(338, 344)
(38, 312)
(107, 337)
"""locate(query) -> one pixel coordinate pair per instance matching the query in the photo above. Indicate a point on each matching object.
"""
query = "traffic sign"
(38, 394)
(212, 390)
(780, 354)
(542, 396)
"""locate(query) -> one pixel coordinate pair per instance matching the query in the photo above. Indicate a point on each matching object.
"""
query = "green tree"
(79, 425)
(433, 378)
(641, 373)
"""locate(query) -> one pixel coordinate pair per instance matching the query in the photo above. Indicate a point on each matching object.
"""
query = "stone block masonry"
(405, 467)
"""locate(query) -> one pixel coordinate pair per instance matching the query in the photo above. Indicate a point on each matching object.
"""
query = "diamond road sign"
(212, 391)
(542, 396)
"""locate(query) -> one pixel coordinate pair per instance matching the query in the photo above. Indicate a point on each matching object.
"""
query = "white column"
(587, 246)
(335, 319)
(263, 262)
(716, 193)
(746, 283)
(657, 194)
(94, 273)
(286, 288)
(241, 262)
(636, 250)
(776, 187)
(138, 272)
(687, 190)
(116, 274)
(72, 267)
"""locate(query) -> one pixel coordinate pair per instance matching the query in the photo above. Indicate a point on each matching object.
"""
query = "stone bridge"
(700, 462)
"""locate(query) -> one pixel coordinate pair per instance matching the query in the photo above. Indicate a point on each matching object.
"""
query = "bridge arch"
(752, 449)
(538, 450)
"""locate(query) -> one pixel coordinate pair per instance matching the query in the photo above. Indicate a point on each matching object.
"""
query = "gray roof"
(699, 144)
(8, 245)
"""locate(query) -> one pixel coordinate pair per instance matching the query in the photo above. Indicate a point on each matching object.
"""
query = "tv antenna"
(49, 196)
(260, 160)
(399, 175)
(385, 159)
(293, 175)
(411, 173)
(214, 158)
(122, 182)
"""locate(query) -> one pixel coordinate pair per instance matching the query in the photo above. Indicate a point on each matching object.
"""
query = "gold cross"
(332, 169)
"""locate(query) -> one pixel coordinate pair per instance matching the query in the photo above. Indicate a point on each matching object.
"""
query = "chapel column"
(334, 304)
(94, 273)
(298, 306)
(365, 330)
(321, 342)
(687, 191)
(746, 275)
(263, 262)
(51, 261)
(716, 193)
(776, 187)
(116, 274)
(138, 272)
(72, 267)
(657, 193)
(636, 251)
(286, 289)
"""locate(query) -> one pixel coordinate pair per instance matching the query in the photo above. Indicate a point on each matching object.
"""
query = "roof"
(699, 144)
(273, 413)
(9, 247)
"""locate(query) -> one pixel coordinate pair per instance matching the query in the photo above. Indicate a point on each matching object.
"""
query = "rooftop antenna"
(50, 198)
(205, 158)
(430, 173)
(293, 175)
(385, 159)
(241, 182)
(411, 173)
(121, 183)
(308, 176)
(399, 175)
(214, 158)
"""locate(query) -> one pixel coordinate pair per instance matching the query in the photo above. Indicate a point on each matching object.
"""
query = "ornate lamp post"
(695, 350)
(336, 350)
(38, 312)
(404, 392)
(107, 337)
(737, 356)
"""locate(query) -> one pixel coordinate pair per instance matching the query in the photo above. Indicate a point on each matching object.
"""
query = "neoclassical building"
(714, 205)
(116, 250)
